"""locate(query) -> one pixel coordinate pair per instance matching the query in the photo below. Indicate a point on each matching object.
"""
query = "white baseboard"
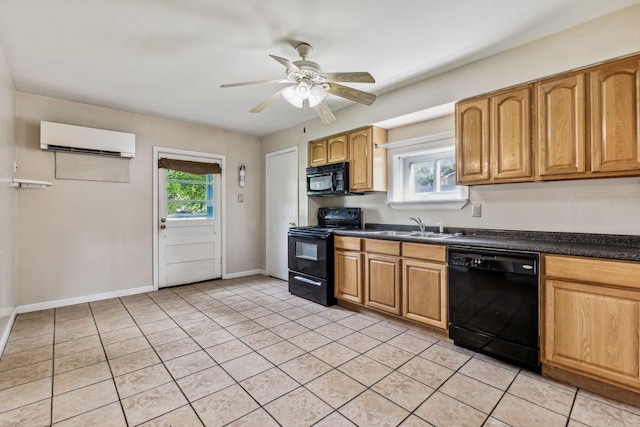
(4, 336)
(244, 274)
(79, 300)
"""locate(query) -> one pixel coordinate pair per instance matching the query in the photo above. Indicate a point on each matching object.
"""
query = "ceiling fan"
(308, 85)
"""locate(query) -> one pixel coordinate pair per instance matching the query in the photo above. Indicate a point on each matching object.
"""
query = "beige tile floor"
(246, 353)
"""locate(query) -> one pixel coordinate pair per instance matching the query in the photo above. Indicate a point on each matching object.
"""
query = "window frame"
(400, 160)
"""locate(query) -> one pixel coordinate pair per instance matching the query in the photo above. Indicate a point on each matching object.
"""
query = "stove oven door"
(309, 255)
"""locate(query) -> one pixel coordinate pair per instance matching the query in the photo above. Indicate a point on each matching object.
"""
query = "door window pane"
(189, 195)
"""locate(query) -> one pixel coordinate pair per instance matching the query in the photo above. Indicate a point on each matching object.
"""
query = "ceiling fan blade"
(264, 104)
(356, 77)
(290, 65)
(255, 82)
(325, 113)
(352, 94)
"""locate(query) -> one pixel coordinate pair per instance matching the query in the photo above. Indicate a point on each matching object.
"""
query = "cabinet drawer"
(424, 251)
(590, 270)
(387, 247)
(348, 243)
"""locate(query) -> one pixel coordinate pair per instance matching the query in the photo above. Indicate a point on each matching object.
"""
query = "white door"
(189, 233)
(282, 207)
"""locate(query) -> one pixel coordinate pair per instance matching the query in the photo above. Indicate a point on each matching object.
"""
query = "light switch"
(240, 198)
(476, 210)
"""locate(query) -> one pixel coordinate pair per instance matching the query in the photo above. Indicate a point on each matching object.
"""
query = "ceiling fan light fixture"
(290, 94)
(316, 95)
(296, 94)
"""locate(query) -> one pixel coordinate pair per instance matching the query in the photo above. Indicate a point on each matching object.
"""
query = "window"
(425, 177)
(189, 195)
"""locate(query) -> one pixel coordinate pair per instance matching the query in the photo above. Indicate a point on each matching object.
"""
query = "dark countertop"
(621, 247)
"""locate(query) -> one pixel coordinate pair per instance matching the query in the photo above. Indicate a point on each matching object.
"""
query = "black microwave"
(329, 180)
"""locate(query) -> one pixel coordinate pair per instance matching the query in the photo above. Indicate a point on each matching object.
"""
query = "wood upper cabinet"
(337, 149)
(511, 149)
(348, 278)
(317, 153)
(367, 164)
(424, 284)
(493, 141)
(472, 142)
(382, 275)
(562, 132)
(592, 318)
(615, 116)
(330, 150)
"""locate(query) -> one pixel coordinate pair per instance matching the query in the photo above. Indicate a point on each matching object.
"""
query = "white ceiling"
(168, 58)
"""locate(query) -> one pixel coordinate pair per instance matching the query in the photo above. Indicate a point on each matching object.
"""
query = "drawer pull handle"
(308, 281)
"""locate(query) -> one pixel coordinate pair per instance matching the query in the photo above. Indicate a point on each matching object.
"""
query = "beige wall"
(599, 206)
(7, 198)
(81, 238)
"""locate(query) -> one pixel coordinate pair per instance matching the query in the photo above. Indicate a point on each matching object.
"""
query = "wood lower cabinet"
(382, 275)
(402, 279)
(424, 284)
(348, 278)
(592, 318)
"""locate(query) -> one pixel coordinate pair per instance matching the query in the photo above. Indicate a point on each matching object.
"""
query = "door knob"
(162, 227)
(163, 219)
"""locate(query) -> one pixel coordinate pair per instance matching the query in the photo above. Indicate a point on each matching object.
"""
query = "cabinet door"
(360, 164)
(472, 141)
(382, 283)
(317, 153)
(511, 151)
(562, 143)
(348, 276)
(593, 330)
(615, 117)
(337, 149)
(424, 292)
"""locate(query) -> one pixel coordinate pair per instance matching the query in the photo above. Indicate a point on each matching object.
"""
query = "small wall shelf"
(30, 183)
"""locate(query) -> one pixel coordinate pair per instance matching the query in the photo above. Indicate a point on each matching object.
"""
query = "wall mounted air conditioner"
(83, 140)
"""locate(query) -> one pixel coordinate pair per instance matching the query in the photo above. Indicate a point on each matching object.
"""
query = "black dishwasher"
(494, 304)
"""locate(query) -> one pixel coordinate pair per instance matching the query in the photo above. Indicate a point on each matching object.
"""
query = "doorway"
(282, 189)
(188, 218)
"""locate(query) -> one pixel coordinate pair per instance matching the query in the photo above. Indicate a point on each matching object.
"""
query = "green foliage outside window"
(187, 194)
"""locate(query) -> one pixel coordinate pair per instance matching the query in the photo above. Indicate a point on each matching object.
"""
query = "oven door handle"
(308, 281)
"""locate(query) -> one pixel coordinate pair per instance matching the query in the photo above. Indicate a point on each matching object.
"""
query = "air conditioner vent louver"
(82, 150)
(84, 140)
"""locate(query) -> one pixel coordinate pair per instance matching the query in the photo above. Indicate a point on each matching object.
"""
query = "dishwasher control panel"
(508, 262)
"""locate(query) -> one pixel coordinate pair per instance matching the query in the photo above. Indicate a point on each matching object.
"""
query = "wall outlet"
(240, 198)
(476, 210)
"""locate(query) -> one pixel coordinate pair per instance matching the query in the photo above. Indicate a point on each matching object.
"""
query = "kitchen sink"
(392, 233)
(430, 235)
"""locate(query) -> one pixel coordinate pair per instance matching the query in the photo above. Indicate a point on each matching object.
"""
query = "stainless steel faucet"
(421, 224)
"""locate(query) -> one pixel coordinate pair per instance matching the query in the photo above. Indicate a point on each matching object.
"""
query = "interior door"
(282, 207)
(189, 237)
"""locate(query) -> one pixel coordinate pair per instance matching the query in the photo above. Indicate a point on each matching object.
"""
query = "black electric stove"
(311, 254)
